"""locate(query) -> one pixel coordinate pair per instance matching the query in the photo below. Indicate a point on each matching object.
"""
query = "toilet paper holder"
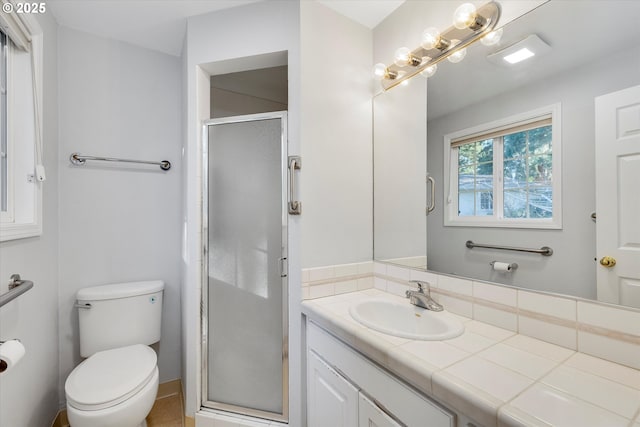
(508, 267)
(8, 360)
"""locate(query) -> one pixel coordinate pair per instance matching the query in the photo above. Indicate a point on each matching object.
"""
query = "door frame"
(205, 403)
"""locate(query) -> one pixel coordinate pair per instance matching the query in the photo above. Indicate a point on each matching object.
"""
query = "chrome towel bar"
(17, 287)
(544, 251)
(79, 160)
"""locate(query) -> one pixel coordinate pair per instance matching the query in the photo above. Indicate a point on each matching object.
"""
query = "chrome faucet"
(421, 299)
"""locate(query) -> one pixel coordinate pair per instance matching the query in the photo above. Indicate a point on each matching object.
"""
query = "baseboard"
(170, 388)
(189, 422)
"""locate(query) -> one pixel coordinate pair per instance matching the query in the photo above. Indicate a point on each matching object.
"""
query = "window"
(21, 171)
(506, 173)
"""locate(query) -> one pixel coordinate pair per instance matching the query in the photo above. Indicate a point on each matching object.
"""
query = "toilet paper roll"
(501, 266)
(10, 354)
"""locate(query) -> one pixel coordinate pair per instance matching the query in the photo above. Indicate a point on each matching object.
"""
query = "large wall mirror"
(594, 50)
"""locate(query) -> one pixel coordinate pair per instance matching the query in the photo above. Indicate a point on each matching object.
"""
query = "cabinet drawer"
(395, 397)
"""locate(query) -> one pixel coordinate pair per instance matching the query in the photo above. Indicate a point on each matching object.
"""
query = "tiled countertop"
(494, 376)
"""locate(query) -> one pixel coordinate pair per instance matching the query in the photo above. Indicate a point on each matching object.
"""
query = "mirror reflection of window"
(502, 173)
(527, 165)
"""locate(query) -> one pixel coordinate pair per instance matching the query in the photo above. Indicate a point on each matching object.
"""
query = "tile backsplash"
(605, 331)
(336, 279)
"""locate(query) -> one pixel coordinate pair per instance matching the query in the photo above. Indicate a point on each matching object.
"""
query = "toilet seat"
(110, 377)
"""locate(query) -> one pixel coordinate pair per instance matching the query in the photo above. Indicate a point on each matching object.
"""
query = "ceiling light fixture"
(470, 25)
(529, 47)
(519, 56)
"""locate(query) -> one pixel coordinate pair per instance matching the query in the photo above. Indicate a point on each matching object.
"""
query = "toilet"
(117, 384)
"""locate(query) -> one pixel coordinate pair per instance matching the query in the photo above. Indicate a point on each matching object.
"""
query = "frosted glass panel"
(245, 331)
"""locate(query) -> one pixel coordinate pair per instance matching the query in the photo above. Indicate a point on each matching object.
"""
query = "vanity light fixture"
(380, 71)
(466, 16)
(470, 25)
(430, 70)
(492, 38)
(459, 54)
(403, 57)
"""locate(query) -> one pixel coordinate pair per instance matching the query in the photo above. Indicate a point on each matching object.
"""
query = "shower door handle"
(432, 202)
(295, 206)
(284, 267)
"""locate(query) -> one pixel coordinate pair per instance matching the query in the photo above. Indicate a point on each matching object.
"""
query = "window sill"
(19, 231)
(495, 223)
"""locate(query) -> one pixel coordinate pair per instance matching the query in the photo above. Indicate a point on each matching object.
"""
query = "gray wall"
(118, 223)
(571, 269)
(29, 393)
(249, 92)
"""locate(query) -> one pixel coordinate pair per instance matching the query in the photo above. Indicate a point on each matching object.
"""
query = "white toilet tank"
(119, 315)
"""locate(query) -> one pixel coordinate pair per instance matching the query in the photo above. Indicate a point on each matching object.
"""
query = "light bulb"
(379, 71)
(492, 38)
(430, 38)
(429, 71)
(458, 55)
(401, 57)
(464, 16)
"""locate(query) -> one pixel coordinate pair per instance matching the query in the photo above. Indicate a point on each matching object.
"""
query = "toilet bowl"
(113, 388)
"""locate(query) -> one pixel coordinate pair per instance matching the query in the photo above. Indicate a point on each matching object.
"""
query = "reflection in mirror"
(399, 175)
(579, 66)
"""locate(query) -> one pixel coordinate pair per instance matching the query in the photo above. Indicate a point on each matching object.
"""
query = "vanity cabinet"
(369, 415)
(345, 389)
(332, 400)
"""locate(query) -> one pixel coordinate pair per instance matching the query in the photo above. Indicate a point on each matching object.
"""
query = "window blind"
(502, 131)
(15, 28)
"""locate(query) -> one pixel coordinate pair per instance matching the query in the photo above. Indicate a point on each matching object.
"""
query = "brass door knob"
(607, 261)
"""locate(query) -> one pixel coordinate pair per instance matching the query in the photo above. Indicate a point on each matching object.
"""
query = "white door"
(372, 416)
(332, 401)
(618, 196)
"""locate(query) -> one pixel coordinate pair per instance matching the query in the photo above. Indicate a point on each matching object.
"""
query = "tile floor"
(167, 412)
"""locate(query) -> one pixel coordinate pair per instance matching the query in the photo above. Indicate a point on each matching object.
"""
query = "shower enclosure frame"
(213, 405)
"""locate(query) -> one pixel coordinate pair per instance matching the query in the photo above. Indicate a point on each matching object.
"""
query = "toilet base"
(125, 414)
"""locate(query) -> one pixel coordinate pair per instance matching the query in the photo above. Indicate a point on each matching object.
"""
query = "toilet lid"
(110, 377)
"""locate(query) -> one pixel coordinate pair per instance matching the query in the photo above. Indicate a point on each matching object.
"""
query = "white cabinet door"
(332, 401)
(372, 416)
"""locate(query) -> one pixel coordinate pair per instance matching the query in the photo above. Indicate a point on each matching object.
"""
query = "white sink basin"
(406, 320)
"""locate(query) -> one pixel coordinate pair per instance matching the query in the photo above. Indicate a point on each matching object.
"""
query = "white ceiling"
(161, 24)
(154, 24)
(366, 12)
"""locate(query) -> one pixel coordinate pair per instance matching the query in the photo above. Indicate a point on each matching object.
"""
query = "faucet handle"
(421, 285)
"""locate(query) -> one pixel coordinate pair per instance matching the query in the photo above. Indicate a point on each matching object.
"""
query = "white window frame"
(24, 219)
(451, 217)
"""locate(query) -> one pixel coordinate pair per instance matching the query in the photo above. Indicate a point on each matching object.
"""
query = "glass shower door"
(245, 285)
